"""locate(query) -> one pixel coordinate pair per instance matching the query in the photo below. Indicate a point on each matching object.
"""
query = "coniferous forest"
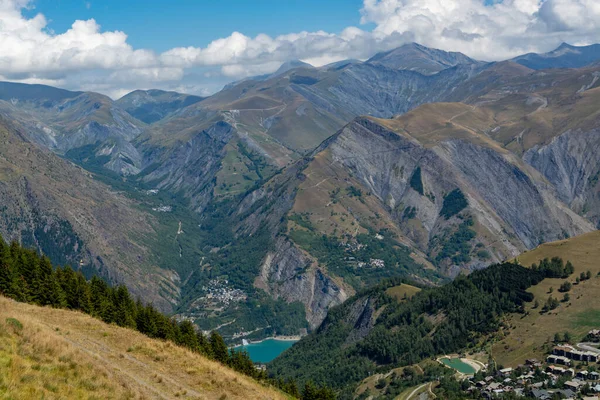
(27, 277)
(439, 320)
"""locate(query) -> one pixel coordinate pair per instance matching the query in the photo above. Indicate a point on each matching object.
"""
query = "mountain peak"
(289, 65)
(565, 56)
(416, 57)
(565, 45)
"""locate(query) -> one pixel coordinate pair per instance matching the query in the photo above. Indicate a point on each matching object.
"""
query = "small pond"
(458, 365)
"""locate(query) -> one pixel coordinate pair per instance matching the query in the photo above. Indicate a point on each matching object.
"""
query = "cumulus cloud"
(488, 32)
(85, 57)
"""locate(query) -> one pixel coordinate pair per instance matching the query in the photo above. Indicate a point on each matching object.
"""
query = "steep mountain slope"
(438, 192)
(565, 56)
(153, 105)
(282, 117)
(245, 205)
(528, 141)
(52, 353)
(59, 209)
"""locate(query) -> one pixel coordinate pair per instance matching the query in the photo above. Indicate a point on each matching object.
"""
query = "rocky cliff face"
(187, 166)
(290, 274)
(513, 209)
(571, 164)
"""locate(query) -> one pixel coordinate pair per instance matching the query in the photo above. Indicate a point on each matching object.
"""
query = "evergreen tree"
(7, 275)
(557, 338)
(310, 392)
(189, 338)
(219, 348)
(125, 312)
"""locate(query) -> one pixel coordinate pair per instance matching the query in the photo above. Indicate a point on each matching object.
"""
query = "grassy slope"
(65, 354)
(398, 292)
(578, 316)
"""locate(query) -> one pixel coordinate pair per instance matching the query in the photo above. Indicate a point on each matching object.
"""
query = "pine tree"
(7, 275)
(291, 388)
(124, 308)
(189, 338)
(219, 348)
(145, 322)
(204, 345)
(310, 392)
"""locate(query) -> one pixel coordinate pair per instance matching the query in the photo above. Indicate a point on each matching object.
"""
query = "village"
(568, 372)
(219, 293)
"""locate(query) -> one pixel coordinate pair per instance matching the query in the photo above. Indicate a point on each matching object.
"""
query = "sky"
(197, 46)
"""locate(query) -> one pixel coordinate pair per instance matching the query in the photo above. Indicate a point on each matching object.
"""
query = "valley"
(386, 211)
(327, 191)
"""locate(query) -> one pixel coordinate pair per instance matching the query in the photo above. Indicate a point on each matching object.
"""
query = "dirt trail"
(145, 368)
(118, 363)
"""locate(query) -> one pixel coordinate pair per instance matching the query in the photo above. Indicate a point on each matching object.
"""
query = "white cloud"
(85, 57)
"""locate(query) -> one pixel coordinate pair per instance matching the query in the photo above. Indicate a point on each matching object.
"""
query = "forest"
(27, 277)
(439, 320)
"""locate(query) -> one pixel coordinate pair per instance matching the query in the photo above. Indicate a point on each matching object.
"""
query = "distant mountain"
(61, 210)
(289, 65)
(153, 105)
(414, 57)
(46, 96)
(565, 56)
(285, 67)
(70, 123)
(287, 187)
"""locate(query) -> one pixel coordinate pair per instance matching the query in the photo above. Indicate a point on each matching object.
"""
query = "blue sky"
(197, 46)
(161, 25)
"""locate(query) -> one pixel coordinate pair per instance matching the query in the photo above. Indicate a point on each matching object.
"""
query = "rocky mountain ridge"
(428, 188)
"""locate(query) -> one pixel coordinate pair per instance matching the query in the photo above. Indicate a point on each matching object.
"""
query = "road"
(589, 347)
(429, 390)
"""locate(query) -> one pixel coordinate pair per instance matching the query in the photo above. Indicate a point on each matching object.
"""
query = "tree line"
(27, 277)
(439, 320)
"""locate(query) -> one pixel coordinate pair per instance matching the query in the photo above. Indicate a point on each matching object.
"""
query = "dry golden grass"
(59, 354)
(528, 334)
(401, 291)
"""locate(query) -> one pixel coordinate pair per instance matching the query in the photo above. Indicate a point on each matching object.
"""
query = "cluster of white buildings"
(571, 353)
(536, 380)
(218, 291)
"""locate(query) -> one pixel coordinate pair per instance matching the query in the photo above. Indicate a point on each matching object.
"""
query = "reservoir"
(458, 365)
(267, 350)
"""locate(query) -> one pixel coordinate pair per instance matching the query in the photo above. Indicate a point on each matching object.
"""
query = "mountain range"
(257, 209)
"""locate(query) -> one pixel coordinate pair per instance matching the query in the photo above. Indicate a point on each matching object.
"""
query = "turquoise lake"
(267, 350)
(458, 365)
